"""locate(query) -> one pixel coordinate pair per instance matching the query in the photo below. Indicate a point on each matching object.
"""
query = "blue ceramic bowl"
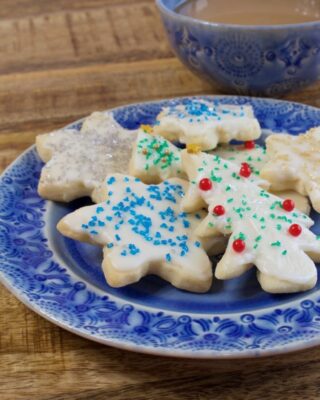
(255, 60)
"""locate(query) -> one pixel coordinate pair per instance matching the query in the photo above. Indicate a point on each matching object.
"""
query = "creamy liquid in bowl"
(252, 12)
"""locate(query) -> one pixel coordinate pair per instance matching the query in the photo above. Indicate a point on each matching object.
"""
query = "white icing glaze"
(207, 124)
(78, 162)
(238, 154)
(295, 164)
(145, 232)
(255, 216)
(155, 159)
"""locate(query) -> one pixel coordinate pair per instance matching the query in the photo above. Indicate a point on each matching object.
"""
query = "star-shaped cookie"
(294, 163)
(143, 231)
(207, 124)
(78, 162)
(264, 230)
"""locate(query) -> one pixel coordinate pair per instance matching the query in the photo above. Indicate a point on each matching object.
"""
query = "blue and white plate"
(61, 279)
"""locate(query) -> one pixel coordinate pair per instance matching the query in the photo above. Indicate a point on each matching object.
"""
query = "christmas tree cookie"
(263, 229)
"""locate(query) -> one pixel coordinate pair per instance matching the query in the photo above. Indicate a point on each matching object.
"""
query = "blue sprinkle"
(197, 244)
(186, 223)
(126, 179)
(93, 232)
(118, 238)
(101, 223)
(128, 190)
(110, 193)
(91, 223)
(123, 253)
(111, 180)
(137, 180)
(168, 257)
(171, 229)
(110, 245)
(99, 210)
(84, 226)
(108, 218)
(158, 235)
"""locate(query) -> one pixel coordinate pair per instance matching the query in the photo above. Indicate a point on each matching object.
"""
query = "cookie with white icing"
(155, 159)
(264, 230)
(143, 231)
(294, 163)
(207, 124)
(256, 156)
(78, 162)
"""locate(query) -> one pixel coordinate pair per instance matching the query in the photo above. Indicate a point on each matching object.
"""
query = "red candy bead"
(288, 205)
(205, 184)
(249, 145)
(219, 210)
(238, 245)
(295, 230)
(245, 170)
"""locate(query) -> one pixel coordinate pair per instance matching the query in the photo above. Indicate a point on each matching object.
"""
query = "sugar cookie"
(264, 230)
(78, 162)
(154, 159)
(143, 231)
(256, 156)
(207, 124)
(295, 164)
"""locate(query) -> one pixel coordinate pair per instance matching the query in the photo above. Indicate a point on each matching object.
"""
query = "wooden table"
(59, 61)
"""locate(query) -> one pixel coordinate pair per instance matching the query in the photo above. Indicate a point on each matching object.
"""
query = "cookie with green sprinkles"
(155, 159)
(256, 157)
(143, 231)
(263, 230)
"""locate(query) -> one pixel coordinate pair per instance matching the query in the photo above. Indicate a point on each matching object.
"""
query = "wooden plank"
(114, 33)
(33, 99)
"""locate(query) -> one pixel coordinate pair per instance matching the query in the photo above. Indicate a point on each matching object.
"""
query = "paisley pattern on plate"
(33, 270)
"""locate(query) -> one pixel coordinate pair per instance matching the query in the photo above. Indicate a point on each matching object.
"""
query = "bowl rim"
(276, 27)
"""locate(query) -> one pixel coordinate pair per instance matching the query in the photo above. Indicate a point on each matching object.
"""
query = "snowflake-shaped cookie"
(78, 162)
(207, 124)
(154, 159)
(264, 230)
(295, 164)
(143, 231)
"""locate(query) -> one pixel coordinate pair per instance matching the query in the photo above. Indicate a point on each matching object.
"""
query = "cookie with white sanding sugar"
(77, 162)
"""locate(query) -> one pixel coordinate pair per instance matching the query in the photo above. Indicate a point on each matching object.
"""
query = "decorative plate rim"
(309, 301)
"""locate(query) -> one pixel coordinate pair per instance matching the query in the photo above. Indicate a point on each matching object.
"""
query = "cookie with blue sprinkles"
(207, 123)
(143, 231)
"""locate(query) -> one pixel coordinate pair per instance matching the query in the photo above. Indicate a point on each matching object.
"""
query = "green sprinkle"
(225, 166)
(230, 200)
(255, 246)
(262, 227)
(284, 252)
(276, 244)
(272, 216)
(211, 225)
(279, 227)
(228, 188)
(258, 238)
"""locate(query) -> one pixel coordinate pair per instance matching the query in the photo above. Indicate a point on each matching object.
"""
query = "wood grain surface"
(59, 61)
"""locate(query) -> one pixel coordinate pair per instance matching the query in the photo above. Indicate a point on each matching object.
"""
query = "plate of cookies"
(186, 227)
